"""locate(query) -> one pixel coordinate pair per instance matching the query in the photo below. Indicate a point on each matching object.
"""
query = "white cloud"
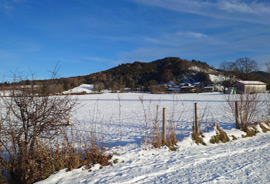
(9, 6)
(194, 34)
(239, 10)
(98, 59)
(6, 7)
(175, 39)
(235, 6)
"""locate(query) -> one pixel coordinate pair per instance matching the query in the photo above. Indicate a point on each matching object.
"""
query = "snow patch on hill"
(217, 78)
(84, 88)
(199, 69)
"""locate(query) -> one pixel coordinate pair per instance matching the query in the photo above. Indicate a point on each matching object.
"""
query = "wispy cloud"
(207, 47)
(176, 39)
(9, 6)
(6, 7)
(98, 59)
(192, 34)
(235, 6)
(249, 11)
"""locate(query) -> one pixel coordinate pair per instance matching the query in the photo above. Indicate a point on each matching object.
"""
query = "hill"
(144, 76)
(138, 74)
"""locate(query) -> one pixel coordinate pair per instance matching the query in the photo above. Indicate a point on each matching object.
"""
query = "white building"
(250, 87)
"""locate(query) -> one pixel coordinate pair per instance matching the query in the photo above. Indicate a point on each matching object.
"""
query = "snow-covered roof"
(252, 82)
(170, 83)
(188, 86)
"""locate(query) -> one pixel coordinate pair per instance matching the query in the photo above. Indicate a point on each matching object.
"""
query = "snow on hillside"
(199, 69)
(217, 78)
(84, 88)
(120, 121)
(212, 74)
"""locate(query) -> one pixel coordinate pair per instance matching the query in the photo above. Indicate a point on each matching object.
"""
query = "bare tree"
(268, 96)
(98, 87)
(229, 71)
(246, 66)
(246, 109)
(227, 66)
(29, 117)
(268, 70)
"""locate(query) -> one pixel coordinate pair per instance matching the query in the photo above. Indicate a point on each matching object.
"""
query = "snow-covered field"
(121, 120)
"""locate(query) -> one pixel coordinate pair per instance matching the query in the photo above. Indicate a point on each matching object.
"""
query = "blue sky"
(87, 36)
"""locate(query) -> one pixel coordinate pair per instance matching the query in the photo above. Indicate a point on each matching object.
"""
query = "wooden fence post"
(237, 124)
(164, 127)
(197, 126)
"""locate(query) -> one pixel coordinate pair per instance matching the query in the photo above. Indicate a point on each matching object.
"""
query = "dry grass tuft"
(267, 123)
(220, 137)
(250, 132)
(198, 138)
(234, 138)
(171, 139)
(264, 129)
(172, 147)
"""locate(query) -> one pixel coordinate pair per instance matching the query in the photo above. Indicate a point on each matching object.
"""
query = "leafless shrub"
(93, 152)
(30, 117)
(247, 109)
(146, 122)
(156, 138)
(171, 137)
(34, 137)
(119, 117)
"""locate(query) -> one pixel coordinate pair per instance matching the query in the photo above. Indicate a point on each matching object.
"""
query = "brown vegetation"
(198, 138)
(221, 136)
(244, 110)
(34, 142)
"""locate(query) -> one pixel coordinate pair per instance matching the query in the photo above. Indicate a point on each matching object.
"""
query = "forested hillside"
(141, 75)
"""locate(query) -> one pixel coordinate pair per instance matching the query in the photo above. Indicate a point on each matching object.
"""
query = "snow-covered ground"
(121, 120)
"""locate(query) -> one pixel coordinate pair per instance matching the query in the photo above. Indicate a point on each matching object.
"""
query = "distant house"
(208, 89)
(173, 90)
(250, 87)
(169, 84)
(127, 89)
(188, 89)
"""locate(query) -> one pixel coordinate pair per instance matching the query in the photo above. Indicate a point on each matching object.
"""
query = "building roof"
(186, 87)
(170, 83)
(208, 87)
(251, 82)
